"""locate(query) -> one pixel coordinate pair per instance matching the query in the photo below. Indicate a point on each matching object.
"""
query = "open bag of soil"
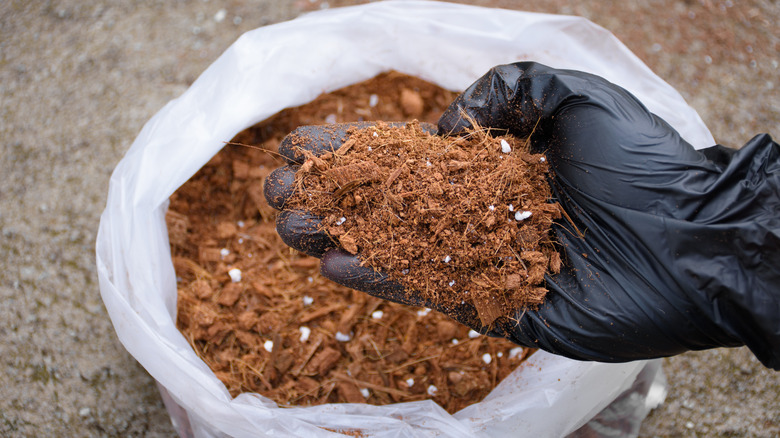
(289, 64)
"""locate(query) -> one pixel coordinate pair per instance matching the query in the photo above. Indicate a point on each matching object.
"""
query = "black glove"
(680, 249)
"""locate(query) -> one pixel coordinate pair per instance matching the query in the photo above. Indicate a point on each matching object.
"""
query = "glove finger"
(317, 139)
(300, 230)
(279, 186)
(485, 103)
(345, 269)
(456, 119)
(527, 97)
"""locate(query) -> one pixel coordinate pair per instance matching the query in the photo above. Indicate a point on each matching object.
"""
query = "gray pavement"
(77, 82)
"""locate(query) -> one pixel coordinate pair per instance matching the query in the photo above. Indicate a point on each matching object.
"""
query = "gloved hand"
(679, 248)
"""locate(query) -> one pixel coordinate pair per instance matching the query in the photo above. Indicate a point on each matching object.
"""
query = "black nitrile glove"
(680, 249)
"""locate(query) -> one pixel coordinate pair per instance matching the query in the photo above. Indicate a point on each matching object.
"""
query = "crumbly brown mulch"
(459, 218)
(282, 330)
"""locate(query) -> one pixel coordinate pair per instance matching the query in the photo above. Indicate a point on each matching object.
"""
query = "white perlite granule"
(235, 275)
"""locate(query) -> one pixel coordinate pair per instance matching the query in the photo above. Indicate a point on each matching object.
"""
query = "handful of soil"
(462, 218)
(262, 317)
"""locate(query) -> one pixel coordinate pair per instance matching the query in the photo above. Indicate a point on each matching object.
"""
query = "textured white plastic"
(291, 63)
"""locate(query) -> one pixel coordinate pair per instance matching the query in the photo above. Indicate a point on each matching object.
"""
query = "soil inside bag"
(260, 315)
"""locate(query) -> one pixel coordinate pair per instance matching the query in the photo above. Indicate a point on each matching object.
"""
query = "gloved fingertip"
(300, 230)
(346, 269)
(279, 186)
(454, 121)
(429, 128)
(292, 145)
(317, 139)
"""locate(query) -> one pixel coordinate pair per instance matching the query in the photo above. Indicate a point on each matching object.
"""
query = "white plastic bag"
(291, 63)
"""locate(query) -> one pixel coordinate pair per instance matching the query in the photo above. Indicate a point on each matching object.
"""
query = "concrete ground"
(78, 81)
